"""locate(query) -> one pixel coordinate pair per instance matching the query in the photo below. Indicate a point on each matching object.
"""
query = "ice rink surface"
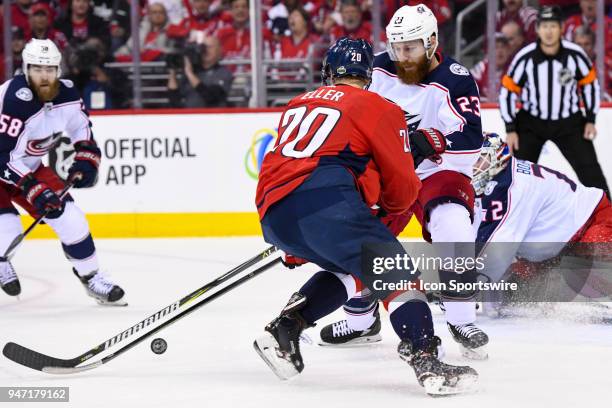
(210, 362)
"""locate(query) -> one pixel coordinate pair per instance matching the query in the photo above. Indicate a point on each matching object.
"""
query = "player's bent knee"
(9, 230)
(450, 222)
(349, 282)
(71, 226)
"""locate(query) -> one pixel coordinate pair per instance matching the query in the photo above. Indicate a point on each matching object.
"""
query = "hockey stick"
(10, 251)
(48, 364)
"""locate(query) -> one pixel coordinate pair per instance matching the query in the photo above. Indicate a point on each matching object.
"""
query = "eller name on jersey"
(29, 128)
(447, 100)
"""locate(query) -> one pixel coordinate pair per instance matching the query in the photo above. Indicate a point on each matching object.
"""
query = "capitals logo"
(262, 142)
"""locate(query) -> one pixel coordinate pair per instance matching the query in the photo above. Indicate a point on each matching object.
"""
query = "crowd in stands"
(192, 37)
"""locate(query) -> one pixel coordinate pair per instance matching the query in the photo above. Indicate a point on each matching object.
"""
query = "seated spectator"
(353, 25)
(325, 17)
(524, 16)
(297, 45)
(199, 24)
(588, 17)
(515, 36)
(100, 87)
(235, 38)
(40, 26)
(80, 23)
(205, 83)
(480, 71)
(17, 45)
(153, 39)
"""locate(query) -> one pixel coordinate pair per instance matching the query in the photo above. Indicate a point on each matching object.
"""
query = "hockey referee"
(549, 78)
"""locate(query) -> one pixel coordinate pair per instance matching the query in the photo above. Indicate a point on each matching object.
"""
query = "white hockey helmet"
(412, 23)
(41, 52)
(494, 157)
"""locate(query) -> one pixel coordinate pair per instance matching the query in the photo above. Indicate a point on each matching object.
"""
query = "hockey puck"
(159, 346)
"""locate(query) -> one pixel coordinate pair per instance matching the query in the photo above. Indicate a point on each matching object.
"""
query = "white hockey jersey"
(528, 203)
(446, 100)
(29, 128)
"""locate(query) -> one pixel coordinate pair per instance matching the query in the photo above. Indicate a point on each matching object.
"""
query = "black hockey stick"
(10, 251)
(42, 362)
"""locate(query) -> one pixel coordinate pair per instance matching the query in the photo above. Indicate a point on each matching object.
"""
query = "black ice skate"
(338, 334)
(280, 346)
(100, 288)
(436, 377)
(9, 281)
(472, 341)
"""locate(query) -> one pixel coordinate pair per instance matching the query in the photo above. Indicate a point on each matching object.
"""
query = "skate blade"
(465, 383)
(266, 347)
(355, 342)
(478, 353)
(117, 303)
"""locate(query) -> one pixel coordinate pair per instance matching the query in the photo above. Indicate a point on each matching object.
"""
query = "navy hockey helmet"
(348, 57)
(494, 157)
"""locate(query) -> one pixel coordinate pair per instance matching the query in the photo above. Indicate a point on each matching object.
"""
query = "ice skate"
(9, 280)
(103, 290)
(436, 377)
(472, 341)
(339, 334)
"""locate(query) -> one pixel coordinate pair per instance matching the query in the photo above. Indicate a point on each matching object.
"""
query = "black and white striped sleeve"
(587, 82)
(511, 88)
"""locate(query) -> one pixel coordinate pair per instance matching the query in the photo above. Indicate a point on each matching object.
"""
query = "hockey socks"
(325, 292)
(412, 321)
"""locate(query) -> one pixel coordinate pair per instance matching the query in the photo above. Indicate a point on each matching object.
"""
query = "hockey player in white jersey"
(35, 109)
(439, 97)
(517, 202)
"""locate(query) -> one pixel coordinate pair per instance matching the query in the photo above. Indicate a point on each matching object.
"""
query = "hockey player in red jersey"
(314, 196)
(438, 95)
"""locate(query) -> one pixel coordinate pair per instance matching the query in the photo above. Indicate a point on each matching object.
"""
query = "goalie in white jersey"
(35, 109)
(517, 202)
(440, 99)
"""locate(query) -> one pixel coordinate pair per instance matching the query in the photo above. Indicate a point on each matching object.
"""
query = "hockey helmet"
(412, 23)
(41, 52)
(494, 157)
(348, 57)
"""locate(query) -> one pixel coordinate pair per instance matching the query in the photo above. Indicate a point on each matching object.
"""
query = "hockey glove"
(40, 196)
(427, 144)
(86, 163)
(292, 262)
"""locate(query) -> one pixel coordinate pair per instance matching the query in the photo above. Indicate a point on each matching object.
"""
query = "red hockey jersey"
(341, 126)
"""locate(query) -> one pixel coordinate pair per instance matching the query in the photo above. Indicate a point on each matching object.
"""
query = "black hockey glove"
(426, 144)
(40, 196)
(86, 163)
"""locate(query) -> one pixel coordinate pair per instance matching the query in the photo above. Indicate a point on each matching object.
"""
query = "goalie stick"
(38, 361)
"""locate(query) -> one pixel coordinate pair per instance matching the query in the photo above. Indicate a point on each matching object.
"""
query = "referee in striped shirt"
(548, 78)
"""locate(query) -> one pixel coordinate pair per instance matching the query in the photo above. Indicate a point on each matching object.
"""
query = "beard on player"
(46, 90)
(410, 72)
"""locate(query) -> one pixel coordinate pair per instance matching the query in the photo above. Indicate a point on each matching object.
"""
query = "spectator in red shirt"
(480, 71)
(588, 17)
(153, 38)
(353, 25)
(515, 36)
(80, 24)
(200, 24)
(525, 16)
(40, 26)
(235, 39)
(297, 45)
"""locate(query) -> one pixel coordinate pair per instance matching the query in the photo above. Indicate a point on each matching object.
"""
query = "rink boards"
(194, 173)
